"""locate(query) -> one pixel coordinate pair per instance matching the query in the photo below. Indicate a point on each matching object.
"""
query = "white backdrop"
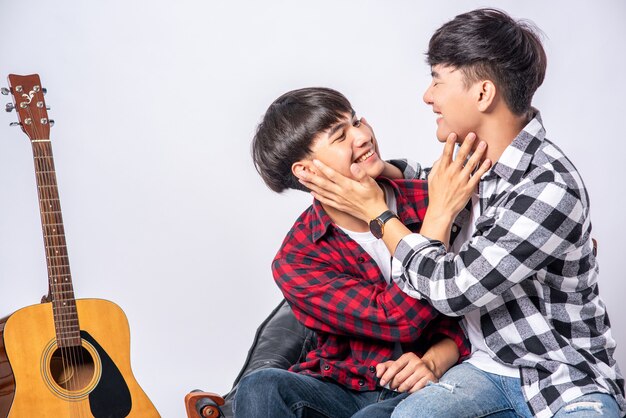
(156, 103)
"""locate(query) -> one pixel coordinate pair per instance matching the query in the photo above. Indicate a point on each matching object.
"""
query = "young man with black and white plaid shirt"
(506, 241)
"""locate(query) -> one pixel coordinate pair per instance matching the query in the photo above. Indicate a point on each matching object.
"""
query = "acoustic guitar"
(63, 357)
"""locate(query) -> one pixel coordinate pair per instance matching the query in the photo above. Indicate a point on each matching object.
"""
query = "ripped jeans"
(277, 393)
(468, 392)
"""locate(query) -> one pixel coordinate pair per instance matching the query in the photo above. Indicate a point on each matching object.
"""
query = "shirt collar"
(516, 158)
(321, 222)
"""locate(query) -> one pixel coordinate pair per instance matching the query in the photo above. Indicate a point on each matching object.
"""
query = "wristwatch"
(377, 225)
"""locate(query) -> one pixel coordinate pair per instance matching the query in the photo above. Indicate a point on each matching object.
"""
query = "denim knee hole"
(584, 406)
(447, 386)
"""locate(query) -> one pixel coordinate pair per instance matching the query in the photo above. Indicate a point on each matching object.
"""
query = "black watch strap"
(386, 215)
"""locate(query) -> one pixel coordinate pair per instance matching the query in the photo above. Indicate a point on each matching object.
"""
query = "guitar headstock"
(30, 105)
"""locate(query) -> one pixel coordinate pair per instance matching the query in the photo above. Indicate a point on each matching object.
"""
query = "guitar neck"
(30, 106)
(59, 275)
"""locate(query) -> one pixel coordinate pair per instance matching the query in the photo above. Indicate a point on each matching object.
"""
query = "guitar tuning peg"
(44, 91)
(14, 124)
(51, 122)
(9, 107)
(5, 91)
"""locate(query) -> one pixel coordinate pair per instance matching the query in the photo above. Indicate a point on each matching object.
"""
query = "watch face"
(376, 228)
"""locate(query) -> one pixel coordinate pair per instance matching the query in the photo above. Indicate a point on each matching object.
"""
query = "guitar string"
(69, 314)
(42, 167)
(46, 194)
(69, 354)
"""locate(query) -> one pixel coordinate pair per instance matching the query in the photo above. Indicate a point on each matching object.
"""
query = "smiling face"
(349, 141)
(454, 103)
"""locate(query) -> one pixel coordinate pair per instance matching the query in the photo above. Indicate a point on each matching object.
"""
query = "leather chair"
(279, 342)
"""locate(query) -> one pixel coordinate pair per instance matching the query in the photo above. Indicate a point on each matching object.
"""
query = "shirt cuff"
(409, 245)
(407, 248)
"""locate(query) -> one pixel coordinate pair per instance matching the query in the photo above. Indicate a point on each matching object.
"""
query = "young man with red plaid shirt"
(375, 344)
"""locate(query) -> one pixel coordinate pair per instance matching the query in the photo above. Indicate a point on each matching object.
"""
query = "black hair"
(288, 129)
(489, 44)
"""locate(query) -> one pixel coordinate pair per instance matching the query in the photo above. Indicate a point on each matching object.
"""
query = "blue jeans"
(273, 393)
(467, 392)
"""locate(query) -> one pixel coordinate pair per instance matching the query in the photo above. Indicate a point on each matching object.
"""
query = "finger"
(318, 182)
(320, 190)
(381, 368)
(409, 383)
(331, 174)
(402, 367)
(389, 374)
(414, 371)
(448, 149)
(434, 169)
(312, 177)
(484, 167)
(317, 185)
(392, 370)
(474, 160)
(402, 380)
(421, 383)
(465, 149)
(329, 201)
(359, 174)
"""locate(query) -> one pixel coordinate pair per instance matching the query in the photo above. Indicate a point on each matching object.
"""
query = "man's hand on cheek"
(361, 197)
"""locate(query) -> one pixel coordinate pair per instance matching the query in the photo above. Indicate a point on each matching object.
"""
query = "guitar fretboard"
(59, 276)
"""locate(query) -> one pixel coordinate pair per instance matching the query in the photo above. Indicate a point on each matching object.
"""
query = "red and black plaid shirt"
(336, 289)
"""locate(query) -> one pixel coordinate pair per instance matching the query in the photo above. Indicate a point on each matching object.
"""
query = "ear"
(486, 95)
(302, 165)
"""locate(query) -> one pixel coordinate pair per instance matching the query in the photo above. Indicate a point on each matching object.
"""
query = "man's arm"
(537, 224)
(391, 171)
(441, 356)
(404, 169)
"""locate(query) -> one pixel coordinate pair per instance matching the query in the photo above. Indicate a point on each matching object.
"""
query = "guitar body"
(39, 379)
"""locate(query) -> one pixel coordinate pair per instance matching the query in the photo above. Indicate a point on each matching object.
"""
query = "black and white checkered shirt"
(530, 268)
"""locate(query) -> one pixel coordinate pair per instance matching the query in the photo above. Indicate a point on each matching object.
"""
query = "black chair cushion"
(279, 342)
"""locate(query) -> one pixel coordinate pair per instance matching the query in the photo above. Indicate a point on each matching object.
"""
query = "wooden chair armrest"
(203, 404)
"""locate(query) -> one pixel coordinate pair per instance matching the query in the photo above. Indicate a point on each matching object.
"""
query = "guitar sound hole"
(72, 368)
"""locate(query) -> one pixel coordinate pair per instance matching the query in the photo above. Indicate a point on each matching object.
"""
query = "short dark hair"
(489, 44)
(288, 129)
